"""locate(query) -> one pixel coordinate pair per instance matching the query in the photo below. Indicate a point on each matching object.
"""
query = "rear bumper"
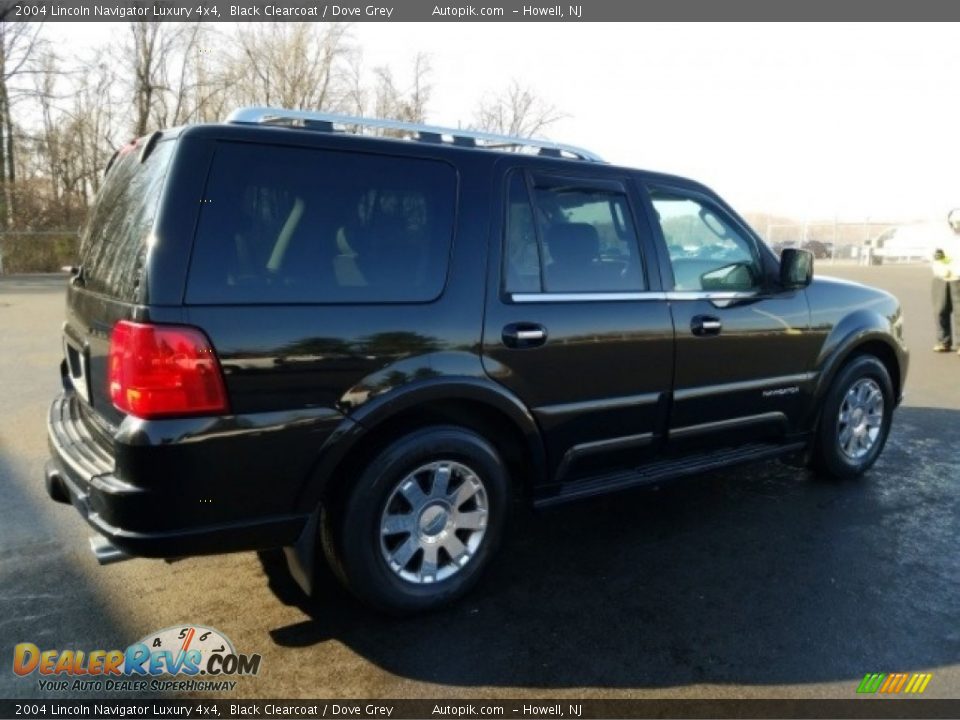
(209, 540)
(185, 487)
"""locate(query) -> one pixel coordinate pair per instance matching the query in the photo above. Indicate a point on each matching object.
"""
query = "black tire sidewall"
(830, 458)
(356, 533)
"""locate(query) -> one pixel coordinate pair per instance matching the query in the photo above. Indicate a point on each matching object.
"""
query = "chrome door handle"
(524, 335)
(705, 325)
(530, 335)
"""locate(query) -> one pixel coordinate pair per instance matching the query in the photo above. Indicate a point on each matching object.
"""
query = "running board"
(690, 464)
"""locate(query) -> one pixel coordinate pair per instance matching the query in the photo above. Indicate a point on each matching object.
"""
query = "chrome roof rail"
(330, 122)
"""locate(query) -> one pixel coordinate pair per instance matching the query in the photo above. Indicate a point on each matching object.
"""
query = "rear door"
(744, 350)
(576, 325)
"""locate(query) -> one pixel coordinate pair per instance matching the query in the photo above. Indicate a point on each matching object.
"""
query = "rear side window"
(298, 225)
(113, 246)
(577, 236)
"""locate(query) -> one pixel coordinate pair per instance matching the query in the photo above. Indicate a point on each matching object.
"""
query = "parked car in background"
(819, 249)
(781, 245)
(906, 243)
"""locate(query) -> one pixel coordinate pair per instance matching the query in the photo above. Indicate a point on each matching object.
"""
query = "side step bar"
(668, 469)
(105, 551)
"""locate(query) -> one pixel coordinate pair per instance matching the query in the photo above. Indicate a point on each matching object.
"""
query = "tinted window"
(522, 254)
(706, 251)
(113, 245)
(290, 225)
(573, 239)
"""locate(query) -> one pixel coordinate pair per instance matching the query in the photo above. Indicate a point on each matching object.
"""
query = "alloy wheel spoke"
(845, 436)
(428, 567)
(463, 493)
(400, 557)
(440, 481)
(397, 524)
(454, 547)
(413, 494)
(473, 520)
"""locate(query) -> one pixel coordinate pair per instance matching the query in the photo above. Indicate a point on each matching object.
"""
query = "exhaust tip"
(105, 551)
(54, 484)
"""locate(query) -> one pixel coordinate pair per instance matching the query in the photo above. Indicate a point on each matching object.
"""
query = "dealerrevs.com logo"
(204, 655)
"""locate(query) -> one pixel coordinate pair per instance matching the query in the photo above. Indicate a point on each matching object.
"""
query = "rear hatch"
(109, 284)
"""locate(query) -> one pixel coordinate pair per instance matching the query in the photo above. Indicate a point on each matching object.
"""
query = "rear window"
(113, 245)
(298, 225)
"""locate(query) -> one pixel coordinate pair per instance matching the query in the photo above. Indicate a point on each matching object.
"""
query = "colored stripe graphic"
(893, 683)
(871, 682)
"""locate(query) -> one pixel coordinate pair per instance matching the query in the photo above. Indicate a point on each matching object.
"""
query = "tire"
(847, 447)
(398, 506)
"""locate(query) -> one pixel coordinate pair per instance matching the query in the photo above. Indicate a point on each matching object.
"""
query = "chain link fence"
(36, 251)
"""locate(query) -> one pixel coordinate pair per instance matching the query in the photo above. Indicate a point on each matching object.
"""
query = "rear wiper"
(76, 274)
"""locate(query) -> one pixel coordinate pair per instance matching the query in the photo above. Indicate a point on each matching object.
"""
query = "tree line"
(63, 114)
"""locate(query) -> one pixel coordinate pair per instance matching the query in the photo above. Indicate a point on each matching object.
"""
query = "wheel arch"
(476, 404)
(860, 333)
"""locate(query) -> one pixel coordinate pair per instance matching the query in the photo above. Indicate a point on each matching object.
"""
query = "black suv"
(288, 333)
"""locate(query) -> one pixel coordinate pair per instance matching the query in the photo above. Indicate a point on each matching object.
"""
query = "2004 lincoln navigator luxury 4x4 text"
(286, 332)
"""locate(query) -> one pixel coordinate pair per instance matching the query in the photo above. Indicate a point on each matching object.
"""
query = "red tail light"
(163, 370)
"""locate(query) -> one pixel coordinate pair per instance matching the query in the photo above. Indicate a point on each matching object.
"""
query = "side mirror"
(796, 268)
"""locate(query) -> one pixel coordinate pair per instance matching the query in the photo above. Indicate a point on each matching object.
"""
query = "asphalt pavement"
(758, 582)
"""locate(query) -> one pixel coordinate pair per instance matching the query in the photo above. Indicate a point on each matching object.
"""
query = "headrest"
(573, 243)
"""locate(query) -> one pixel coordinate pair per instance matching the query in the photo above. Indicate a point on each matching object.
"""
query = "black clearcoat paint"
(616, 383)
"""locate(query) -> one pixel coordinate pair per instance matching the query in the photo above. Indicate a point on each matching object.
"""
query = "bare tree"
(516, 111)
(78, 126)
(19, 43)
(94, 119)
(164, 57)
(179, 77)
(146, 49)
(408, 104)
(294, 65)
(357, 94)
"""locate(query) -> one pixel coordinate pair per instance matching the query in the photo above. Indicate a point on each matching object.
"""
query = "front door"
(577, 325)
(744, 350)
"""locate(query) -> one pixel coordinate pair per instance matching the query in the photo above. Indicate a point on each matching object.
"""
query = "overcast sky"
(813, 121)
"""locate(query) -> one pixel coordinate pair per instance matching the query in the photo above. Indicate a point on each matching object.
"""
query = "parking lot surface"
(755, 582)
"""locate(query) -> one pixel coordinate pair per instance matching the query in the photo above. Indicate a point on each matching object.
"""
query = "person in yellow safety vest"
(946, 285)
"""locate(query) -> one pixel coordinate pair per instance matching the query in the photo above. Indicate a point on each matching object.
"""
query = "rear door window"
(113, 245)
(577, 235)
(301, 225)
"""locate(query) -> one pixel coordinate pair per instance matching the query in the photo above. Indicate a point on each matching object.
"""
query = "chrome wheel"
(861, 418)
(433, 522)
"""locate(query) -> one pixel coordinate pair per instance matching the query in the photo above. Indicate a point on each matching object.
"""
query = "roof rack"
(329, 122)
